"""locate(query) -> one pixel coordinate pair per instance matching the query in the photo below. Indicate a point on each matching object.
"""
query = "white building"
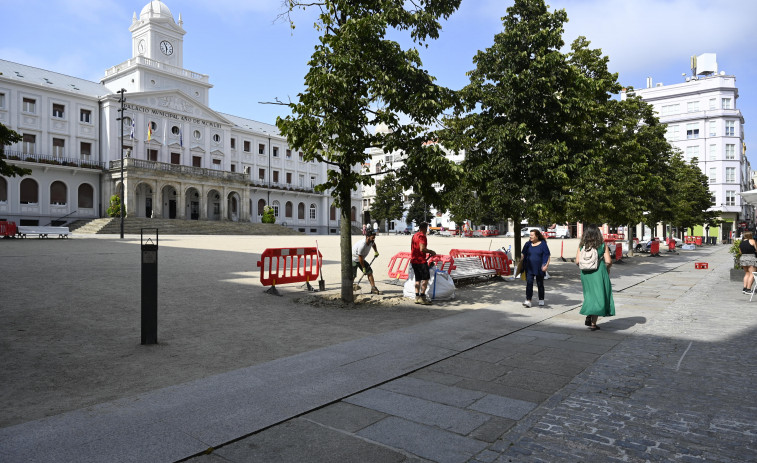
(183, 160)
(382, 163)
(704, 122)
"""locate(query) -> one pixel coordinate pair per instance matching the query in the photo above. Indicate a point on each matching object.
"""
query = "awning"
(749, 197)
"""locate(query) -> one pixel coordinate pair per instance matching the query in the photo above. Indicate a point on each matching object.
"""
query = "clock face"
(166, 47)
(141, 46)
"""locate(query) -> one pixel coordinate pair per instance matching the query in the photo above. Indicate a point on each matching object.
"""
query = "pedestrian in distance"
(359, 252)
(536, 257)
(597, 290)
(748, 260)
(418, 260)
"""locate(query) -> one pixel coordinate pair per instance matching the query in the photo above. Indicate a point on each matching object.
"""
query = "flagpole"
(122, 100)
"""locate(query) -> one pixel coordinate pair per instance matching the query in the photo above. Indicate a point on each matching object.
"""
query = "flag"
(149, 131)
(133, 125)
(181, 138)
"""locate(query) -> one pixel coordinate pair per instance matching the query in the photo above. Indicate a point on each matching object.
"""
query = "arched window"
(288, 209)
(275, 208)
(301, 211)
(312, 212)
(3, 190)
(261, 206)
(353, 213)
(332, 213)
(86, 196)
(29, 191)
(58, 194)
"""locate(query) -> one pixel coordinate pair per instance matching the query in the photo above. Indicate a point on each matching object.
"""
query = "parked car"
(526, 231)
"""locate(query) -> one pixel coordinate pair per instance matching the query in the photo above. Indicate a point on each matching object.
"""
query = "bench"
(42, 232)
(470, 267)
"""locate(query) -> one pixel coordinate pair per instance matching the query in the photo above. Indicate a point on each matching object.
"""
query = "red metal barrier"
(279, 266)
(654, 249)
(7, 229)
(398, 265)
(698, 240)
(492, 260)
(671, 245)
(618, 251)
(443, 262)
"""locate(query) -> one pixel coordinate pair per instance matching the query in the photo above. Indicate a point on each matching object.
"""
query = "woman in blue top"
(535, 257)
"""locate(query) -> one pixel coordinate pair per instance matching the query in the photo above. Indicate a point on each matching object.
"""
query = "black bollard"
(149, 288)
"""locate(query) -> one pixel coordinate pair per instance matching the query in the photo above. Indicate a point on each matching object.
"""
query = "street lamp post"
(122, 100)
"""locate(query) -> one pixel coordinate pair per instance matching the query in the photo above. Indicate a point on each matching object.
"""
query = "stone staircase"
(133, 225)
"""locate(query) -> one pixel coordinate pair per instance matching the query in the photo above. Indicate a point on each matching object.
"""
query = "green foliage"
(736, 251)
(359, 78)
(418, 211)
(8, 137)
(268, 215)
(114, 207)
(389, 204)
(690, 194)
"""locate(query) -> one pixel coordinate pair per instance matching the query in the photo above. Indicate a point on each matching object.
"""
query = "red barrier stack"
(700, 265)
(7, 229)
(618, 251)
(289, 265)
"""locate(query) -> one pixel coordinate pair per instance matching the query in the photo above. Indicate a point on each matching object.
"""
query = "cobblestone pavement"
(670, 378)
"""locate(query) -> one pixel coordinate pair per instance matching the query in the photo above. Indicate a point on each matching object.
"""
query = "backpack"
(588, 259)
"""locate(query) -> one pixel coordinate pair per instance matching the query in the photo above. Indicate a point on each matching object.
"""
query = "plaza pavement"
(668, 379)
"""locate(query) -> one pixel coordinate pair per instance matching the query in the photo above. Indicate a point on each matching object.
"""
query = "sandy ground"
(70, 335)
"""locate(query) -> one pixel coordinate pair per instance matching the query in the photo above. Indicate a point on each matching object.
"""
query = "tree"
(514, 115)
(114, 208)
(389, 202)
(418, 211)
(691, 197)
(358, 78)
(9, 137)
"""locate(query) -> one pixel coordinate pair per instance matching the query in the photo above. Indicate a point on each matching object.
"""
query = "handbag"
(588, 259)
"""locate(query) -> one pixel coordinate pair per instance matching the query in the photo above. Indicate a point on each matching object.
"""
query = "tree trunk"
(516, 239)
(345, 243)
(629, 238)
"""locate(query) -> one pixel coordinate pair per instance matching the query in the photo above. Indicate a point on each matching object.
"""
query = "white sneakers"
(527, 303)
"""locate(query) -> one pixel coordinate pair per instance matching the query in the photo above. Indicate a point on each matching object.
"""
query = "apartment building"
(705, 123)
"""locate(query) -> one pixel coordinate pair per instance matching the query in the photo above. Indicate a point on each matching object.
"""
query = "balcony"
(177, 169)
(52, 160)
(141, 60)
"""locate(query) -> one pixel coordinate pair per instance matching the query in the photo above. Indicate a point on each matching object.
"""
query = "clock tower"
(157, 58)
(156, 36)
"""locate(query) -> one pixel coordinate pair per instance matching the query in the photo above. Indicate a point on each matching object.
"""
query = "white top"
(361, 248)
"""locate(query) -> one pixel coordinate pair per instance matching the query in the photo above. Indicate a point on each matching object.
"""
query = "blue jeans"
(530, 285)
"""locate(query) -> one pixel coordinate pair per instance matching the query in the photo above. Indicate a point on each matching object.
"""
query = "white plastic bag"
(440, 285)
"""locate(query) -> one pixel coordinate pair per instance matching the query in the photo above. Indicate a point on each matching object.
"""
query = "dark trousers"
(530, 285)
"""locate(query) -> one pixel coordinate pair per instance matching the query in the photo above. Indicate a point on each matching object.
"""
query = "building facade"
(380, 164)
(181, 159)
(704, 122)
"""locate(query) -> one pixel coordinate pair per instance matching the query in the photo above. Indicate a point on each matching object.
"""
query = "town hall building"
(181, 159)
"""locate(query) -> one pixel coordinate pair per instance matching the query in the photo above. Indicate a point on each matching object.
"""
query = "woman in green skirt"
(597, 289)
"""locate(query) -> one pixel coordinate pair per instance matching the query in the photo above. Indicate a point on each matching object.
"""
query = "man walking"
(360, 252)
(418, 260)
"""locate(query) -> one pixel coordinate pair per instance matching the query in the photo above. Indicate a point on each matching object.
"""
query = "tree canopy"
(389, 201)
(8, 137)
(358, 78)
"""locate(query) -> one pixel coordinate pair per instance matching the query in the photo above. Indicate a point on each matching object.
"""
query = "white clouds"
(648, 34)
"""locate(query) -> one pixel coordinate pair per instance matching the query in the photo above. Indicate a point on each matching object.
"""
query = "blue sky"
(250, 57)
